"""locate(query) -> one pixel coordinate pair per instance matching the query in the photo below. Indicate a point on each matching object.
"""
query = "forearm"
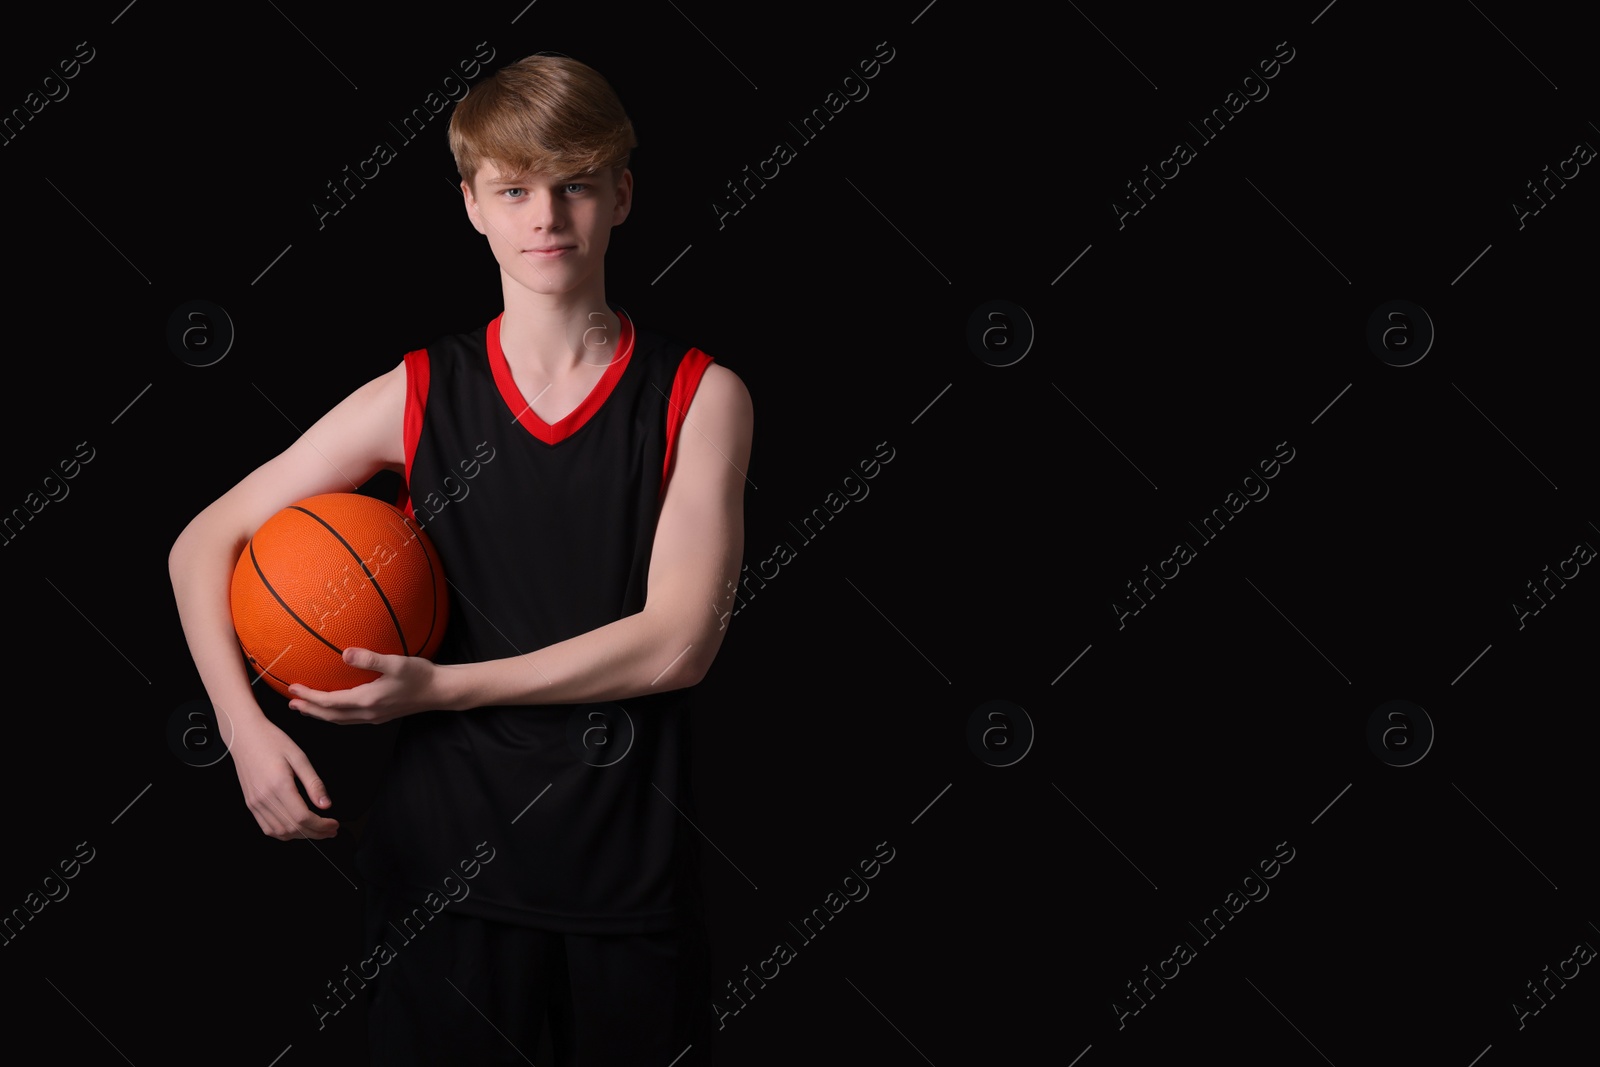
(201, 567)
(649, 652)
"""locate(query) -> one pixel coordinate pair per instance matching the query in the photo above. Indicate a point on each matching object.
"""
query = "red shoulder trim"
(416, 404)
(690, 370)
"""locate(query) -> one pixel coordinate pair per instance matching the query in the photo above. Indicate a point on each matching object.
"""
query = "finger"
(315, 701)
(341, 713)
(360, 658)
(314, 786)
(307, 826)
(367, 660)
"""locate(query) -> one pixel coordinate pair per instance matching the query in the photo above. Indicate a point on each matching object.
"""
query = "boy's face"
(549, 232)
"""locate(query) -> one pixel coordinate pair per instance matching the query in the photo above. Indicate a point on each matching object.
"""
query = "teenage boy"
(530, 855)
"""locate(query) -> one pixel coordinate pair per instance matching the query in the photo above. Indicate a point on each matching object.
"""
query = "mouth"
(548, 253)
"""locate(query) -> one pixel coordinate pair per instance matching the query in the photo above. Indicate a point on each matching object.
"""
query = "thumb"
(364, 659)
(315, 789)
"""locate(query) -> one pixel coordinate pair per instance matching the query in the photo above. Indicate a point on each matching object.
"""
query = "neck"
(557, 335)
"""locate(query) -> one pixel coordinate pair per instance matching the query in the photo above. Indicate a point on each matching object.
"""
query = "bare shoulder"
(722, 395)
(713, 451)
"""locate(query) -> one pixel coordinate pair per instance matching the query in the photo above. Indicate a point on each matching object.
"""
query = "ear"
(624, 202)
(471, 203)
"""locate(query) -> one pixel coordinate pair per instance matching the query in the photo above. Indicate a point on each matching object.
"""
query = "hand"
(409, 684)
(268, 763)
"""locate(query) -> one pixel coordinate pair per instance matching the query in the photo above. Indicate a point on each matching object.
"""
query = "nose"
(545, 212)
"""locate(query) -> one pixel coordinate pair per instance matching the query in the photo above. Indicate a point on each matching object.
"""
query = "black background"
(1228, 316)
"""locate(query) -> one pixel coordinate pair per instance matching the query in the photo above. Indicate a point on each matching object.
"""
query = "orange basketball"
(332, 572)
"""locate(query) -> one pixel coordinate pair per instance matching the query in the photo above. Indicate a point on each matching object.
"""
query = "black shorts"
(469, 991)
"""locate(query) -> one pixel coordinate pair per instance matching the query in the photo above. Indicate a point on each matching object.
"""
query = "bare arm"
(670, 644)
(344, 448)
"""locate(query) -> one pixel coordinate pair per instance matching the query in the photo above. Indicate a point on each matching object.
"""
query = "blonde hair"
(542, 114)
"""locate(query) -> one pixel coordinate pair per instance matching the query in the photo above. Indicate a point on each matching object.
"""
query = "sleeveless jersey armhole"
(416, 404)
(690, 370)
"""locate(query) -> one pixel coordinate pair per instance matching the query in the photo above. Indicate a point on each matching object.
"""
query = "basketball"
(328, 573)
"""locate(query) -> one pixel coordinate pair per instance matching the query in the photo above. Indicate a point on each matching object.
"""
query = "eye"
(576, 187)
(507, 193)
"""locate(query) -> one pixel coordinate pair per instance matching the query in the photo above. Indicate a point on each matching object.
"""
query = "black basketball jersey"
(544, 532)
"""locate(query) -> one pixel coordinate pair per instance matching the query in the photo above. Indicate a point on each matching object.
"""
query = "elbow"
(686, 672)
(691, 664)
(178, 555)
(200, 542)
(181, 557)
(695, 673)
(702, 655)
